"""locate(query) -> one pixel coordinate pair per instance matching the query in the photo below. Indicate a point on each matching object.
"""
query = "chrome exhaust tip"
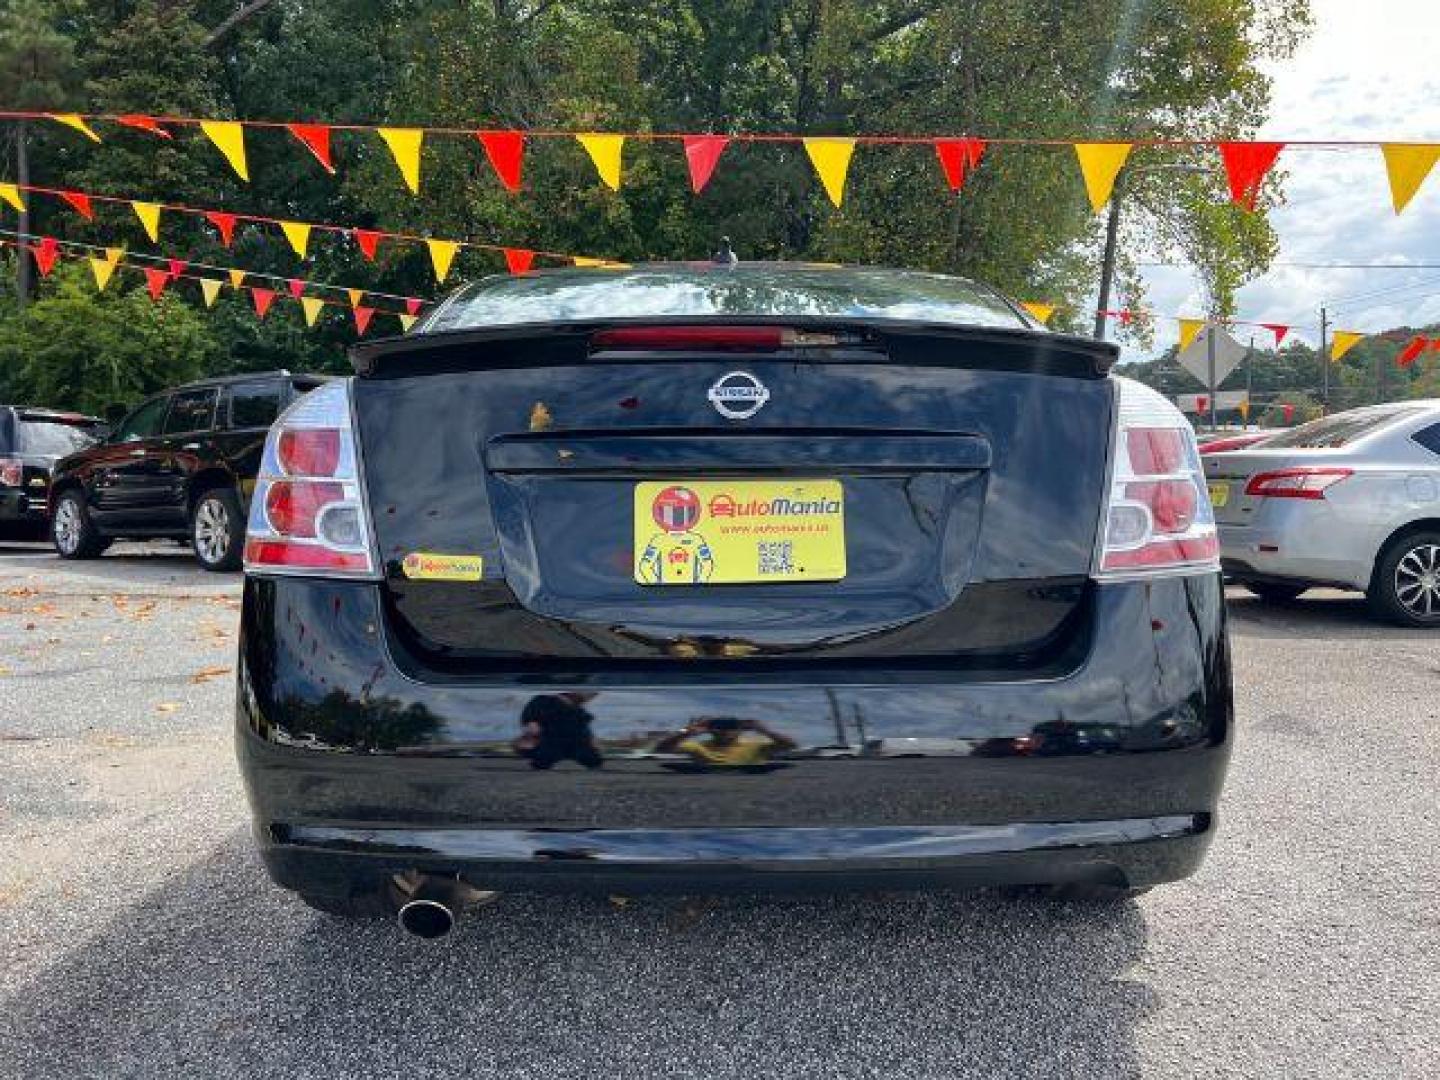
(429, 919)
(428, 906)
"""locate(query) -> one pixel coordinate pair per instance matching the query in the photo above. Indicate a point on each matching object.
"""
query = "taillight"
(1304, 482)
(1158, 518)
(12, 472)
(307, 514)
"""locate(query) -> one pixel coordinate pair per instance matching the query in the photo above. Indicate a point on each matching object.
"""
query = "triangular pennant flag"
(296, 286)
(11, 194)
(1278, 329)
(1043, 312)
(362, 318)
(506, 151)
(210, 289)
(412, 305)
(1407, 165)
(144, 123)
(605, 152)
(1246, 164)
(229, 138)
(367, 240)
(1411, 351)
(80, 202)
(1343, 342)
(262, 298)
(175, 267)
(1188, 329)
(114, 255)
(156, 279)
(519, 260)
(404, 146)
(46, 252)
(149, 215)
(831, 158)
(702, 154)
(355, 295)
(406, 321)
(316, 138)
(585, 260)
(1243, 408)
(237, 278)
(298, 233)
(312, 306)
(442, 254)
(958, 157)
(1100, 164)
(76, 121)
(224, 222)
(103, 271)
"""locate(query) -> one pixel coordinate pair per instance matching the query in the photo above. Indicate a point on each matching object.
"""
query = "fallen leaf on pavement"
(167, 706)
(206, 674)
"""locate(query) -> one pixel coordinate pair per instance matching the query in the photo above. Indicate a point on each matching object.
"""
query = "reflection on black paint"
(726, 742)
(556, 728)
(357, 724)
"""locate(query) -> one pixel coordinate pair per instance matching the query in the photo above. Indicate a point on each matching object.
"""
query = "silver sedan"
(1350, 500)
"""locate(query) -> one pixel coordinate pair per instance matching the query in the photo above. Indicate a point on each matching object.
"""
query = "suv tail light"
(1158, 518)
(1304, 482)
(12, 472)
(307, 514)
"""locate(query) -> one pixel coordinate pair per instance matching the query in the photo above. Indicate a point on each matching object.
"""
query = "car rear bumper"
(1291, 551)
(1108, 773)
(18, 506)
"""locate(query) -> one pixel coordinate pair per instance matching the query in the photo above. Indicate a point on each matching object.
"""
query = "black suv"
(181, 465)
(31, 440)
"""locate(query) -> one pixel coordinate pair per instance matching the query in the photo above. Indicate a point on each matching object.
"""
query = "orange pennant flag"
(229, 138)
(1042, 312)
(404, 144)
(355, 295)
(1407, 165)
(76, 121)
(1343, 342)
(442, 254)
(149, 215)
(1188, 329)
(831, 158)
(237, 278)
(606, 152)
(1100, 164)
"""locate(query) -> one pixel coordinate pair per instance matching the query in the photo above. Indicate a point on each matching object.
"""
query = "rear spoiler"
(926, 344)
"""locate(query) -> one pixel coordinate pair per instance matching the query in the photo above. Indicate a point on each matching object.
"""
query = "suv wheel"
(71, 530)
(1406, 586)
(217, 530)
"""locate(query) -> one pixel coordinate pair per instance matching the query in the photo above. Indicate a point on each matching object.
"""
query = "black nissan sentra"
(701, 578)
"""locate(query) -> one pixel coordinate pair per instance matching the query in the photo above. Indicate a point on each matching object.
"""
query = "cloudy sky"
(1371, 70)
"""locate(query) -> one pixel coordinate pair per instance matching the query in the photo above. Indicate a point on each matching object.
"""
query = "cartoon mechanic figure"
(675, 556)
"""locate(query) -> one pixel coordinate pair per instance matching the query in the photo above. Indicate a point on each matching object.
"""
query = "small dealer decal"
(426, 566)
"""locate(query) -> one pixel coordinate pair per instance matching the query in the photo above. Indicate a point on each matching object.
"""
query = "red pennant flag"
(144, 123)
(316, 138)
(175, 267)
(1411, 351)
(224, 222)
(1288, 411)
(45, 254)
(297, 287)
(959, 157)
(263, 298)
(702, 154)
(505, 149)
(1246, 165)
(519, 260)
(362, 318)
(412, 305)
(80, 202)
(367, 240)
(1278, 329)
(155, 280)
(1201, 403)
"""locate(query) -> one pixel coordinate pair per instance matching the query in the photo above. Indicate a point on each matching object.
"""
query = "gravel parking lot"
(139, 937)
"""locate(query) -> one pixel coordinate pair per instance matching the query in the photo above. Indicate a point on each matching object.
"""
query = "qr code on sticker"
(776, 556)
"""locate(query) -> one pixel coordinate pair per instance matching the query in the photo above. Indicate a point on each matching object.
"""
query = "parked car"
(1350, 501)
(1226, 443)
(181, 465)
(31, 440)
(575, 508)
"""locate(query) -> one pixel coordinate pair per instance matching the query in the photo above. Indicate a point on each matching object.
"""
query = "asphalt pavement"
(140, 938)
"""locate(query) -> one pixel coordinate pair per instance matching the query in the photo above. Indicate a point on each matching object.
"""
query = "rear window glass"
(193, 410)
(768, 290)
(46, 437)
(1331, 431)
(1429, 438)
(254, 405)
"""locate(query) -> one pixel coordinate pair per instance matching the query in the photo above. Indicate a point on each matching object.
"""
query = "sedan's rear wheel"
(1275, 592)
(217, 530)
(71, 530)
(1406, 586)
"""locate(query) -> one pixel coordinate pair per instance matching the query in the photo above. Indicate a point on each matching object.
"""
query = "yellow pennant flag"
(113, 255)
(586, 260)
(1243, 407)
(298, 233)
(404, 146)
(355, 295)
(406, 321)
(1188, 329)
(1407, 165)
(103, 271)
(11, 194)
(605, 151)
(149, 215)
(831, 158)
(210, 289)
(442, 254)
(1100, 164)
(229, 139)
(76, 121)
(1343, 342)
(237, 278)
(312, 306)
(1039, 310)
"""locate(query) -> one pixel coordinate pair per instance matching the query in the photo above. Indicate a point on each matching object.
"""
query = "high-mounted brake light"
(1158, 518)
(1302, 482)
(726, 338)
(307, 514)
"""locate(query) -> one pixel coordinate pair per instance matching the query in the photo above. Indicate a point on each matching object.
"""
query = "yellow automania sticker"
(425, 566)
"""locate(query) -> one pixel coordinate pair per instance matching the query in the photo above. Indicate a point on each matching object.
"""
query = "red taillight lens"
(1172, 503)
(690, 337)
(282, 553)
(293, 505)
(309, 451)
(1155, 451)
(1307, 482)
(12, 472)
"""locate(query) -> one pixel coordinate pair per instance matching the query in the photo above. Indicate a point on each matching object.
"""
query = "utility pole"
(22, 178)
(1249, 383)
(1107, 265)
(1210, 369)
(1324, 361)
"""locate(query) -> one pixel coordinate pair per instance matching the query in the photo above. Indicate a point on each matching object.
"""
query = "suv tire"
(1405, 588)
(1274, 592)
(72, 533)
(217, 530)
